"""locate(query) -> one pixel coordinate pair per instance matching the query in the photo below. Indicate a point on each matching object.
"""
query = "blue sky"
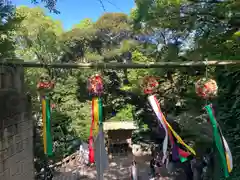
(72, 11)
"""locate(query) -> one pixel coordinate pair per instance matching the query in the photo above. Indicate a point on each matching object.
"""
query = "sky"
(72, 11)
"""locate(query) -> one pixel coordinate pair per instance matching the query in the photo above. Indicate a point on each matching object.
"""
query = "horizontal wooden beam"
(122, 65)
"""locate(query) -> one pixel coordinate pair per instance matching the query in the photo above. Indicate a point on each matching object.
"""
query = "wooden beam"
(146, 65)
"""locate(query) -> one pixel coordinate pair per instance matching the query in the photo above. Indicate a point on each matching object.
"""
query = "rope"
(113, 4)
(103, 7)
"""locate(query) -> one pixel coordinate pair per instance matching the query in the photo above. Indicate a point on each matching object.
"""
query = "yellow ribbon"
(96, 116)
(44, 124)
(178, 137)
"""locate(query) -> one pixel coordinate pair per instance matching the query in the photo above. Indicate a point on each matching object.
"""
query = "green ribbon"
(100, 111)
(218, 139)
(48, 128)
(183, 159)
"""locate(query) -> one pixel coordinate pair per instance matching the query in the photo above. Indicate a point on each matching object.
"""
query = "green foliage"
(112, 22)
(50, 4)
(64, 135)
(66, 96)
(8, 23)
(125, 114)
(85, 23)
(37, 35)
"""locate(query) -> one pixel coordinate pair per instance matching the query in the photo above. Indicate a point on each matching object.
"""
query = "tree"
(38, 35)
(38, 38)
(7, 25)
(85, 23)
(50, 4)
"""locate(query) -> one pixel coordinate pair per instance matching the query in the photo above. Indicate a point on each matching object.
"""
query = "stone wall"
(16, 127)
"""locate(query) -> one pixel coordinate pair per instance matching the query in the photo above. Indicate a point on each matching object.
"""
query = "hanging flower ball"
(45, 84)
(206, 88)
(149, 84)
(53, 106)
(95, 85)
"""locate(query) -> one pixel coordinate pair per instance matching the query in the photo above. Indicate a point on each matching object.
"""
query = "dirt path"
(118, 170)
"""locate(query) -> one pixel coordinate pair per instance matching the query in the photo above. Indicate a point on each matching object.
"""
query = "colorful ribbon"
(134, 172)
(46, 118)
(154, 103)
(221, 143)
(96, 121)
(176, 141)
(178, 153)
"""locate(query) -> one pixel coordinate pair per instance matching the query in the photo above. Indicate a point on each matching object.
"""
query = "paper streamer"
(221, 143)
(134, 172)
(44, 125)
(179, 139)
(96, 108)
(94, 129)
(228, 155)
(101, 157)
(153, 102)
(226, 147)
(169, 132)
(47, 135)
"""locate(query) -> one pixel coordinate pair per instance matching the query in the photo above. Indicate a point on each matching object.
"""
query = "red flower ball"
(45, 87)
(206, 88)
(149, 84)
(95, 85)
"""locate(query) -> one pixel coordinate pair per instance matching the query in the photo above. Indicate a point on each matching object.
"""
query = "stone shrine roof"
(119, 125)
